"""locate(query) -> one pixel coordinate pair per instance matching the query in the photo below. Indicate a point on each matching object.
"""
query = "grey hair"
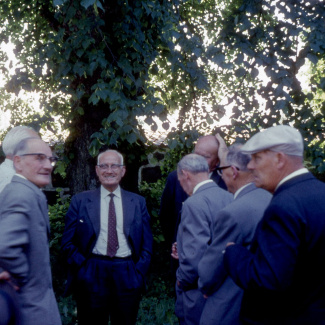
(22, 146)
(193, 163)
(111, 150)
(14, 136)
(237, 158)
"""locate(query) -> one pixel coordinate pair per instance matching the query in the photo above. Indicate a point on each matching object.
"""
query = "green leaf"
(87, 3)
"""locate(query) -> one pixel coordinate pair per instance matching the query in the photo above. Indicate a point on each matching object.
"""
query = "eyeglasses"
(42, 158)
(220, 169)
(113, 167)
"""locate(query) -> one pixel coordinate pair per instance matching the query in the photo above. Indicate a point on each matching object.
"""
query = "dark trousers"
(108, 288)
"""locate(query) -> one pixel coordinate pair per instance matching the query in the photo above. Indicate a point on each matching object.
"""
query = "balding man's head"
(207, 147)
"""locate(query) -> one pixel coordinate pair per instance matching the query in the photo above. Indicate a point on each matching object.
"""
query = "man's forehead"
(110, 156)
(39, 145)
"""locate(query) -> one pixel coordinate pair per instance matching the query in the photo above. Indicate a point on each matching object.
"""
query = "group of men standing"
(251, 254)
(256, 258)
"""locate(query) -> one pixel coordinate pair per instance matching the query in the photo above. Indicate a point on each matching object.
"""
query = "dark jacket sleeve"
(77, 234)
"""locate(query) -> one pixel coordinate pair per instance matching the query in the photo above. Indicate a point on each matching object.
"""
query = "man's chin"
(43, 182)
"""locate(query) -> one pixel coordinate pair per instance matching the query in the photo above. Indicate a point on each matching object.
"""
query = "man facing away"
(283, 272)
(236, 222)
(107, 241)
(195, 232)
(12, 138)
(24, 233)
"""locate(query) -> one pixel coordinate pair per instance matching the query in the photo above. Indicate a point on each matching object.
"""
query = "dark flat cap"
(280, 138)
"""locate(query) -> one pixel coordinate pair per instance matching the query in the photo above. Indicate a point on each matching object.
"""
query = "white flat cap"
(280, 138)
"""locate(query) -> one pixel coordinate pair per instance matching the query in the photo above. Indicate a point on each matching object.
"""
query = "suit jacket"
(24, 250)
(171, 204)
(193, 237)
(82, 226)
(196, 228)
(235, 223)
(283, 273)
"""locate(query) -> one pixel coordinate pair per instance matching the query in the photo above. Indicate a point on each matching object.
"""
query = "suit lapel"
(93, 210)
(128, 211)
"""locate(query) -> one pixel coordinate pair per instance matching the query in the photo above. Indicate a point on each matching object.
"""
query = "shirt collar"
(104, 192)
(200, 184)
(292, 175)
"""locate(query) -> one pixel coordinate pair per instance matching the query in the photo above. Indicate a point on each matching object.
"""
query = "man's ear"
(234, 172)
(185, 173)
(123, 171)
(280, 160)
(17, 163)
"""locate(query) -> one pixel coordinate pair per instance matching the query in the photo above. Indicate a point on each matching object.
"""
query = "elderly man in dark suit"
(108, 243)
(236, 222)
(24, 233)
(283, 273)
(195, 232)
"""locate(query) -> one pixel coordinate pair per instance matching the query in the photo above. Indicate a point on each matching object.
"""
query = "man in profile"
(283, 272)
(24, 233)
(9, 143)
(236, 222)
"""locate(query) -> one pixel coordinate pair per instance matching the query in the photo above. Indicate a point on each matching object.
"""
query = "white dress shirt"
(101, 244)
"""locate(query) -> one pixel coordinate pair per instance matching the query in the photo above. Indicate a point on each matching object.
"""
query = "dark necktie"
(112, 241)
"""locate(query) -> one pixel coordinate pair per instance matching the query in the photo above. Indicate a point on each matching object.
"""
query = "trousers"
(108, 289)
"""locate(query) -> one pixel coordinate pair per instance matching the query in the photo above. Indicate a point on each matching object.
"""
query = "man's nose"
(250, 165)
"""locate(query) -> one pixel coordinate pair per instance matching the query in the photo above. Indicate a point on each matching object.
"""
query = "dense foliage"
(104, 69)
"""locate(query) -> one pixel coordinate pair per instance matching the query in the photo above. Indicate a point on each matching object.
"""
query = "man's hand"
(4, 275)
(174, 253)
(222, 151)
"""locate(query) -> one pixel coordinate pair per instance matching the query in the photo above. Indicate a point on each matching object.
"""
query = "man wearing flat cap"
(283, 273)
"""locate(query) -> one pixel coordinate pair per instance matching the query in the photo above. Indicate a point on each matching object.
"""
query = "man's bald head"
(207, 147)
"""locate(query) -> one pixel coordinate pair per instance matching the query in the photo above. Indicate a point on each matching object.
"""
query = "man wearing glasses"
(108, 243)
(24, 233)
(236, 222)
(9, 143)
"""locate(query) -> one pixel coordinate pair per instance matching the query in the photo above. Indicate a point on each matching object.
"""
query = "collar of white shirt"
(292, 175)
(104, 192)
(200, 184)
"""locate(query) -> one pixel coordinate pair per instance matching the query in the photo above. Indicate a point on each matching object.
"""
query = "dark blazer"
(172, 200)
(82, 226)
(235, 223)
(283, 273)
